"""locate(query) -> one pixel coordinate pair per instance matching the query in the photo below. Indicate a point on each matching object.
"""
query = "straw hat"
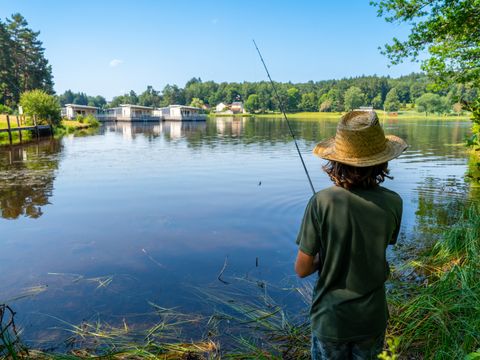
(360, 141)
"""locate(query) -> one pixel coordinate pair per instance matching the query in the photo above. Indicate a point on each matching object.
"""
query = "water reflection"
(27, 173)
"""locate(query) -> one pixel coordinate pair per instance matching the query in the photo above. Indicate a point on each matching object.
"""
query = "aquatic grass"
(259, 327)
(163, 340)
(439, 318)
(28, 292)
(10, 345)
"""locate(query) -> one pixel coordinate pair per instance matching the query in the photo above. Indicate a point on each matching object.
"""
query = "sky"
(108, 47)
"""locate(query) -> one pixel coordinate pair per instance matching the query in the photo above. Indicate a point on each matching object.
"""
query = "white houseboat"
(182, 113)
(71, 111)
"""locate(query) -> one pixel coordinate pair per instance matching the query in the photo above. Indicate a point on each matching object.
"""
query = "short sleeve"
(308, 239)
(398, 220)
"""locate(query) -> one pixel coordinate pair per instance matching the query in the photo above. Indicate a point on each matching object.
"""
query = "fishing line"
(282, 108)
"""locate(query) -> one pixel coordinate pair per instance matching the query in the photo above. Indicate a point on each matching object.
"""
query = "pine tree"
(30, 67)
(9, 87)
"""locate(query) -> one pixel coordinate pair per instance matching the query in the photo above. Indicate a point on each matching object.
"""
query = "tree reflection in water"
(27, 173)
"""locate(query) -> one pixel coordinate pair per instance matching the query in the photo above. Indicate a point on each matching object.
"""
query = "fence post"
(19, 129)
(9, 130)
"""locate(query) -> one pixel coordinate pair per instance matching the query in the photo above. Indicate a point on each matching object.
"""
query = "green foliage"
(130, 98)
(391, 353)
(474, 140)
(392, 102)
(196, 102)
(92, 121)
(69, 97)
(253, 103)
(41, 104)
(448, 30)
(172, 95)
(309, 102)
(354, 98)
(377, 102)
(326, 106)
(432, 103)
(293, 99)
(5, 109)
(473, 356)
(150, 97)
(89, 119)
(23, 65)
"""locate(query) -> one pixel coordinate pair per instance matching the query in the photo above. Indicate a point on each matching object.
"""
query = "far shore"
(402, 115)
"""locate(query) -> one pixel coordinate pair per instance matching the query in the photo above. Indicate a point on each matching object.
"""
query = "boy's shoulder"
(337, 193)
(390, 193)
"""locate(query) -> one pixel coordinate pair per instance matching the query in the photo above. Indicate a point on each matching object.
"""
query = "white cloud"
(115, 62)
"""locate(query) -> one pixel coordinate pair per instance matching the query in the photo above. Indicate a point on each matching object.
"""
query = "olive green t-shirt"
(351, 230)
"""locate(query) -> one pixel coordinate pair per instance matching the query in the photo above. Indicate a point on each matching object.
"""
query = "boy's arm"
(306, 265)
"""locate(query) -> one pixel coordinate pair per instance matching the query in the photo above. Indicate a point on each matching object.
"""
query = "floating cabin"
(127, 112)
(183, 113)
(131, 113)
(71, 111)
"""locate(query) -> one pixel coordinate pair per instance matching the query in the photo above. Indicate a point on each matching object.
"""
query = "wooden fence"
(18, 123)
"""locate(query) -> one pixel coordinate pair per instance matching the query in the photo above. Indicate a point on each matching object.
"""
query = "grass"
(439, 317)
(401, 115)
(212, 114)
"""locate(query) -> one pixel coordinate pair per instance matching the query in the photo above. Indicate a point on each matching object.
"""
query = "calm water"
(98, 226)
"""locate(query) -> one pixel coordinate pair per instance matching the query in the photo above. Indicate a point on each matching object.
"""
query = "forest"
(381, 92)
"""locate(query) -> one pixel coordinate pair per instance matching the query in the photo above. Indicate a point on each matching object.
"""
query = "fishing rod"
(282, 108)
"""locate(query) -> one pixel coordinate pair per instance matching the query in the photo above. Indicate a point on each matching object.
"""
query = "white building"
(71, 111)
(183, 113)
(136, 113)
(220, 107)
(127, 112)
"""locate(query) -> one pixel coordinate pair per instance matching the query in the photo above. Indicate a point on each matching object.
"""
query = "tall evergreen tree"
(30, 67)
(9, 87)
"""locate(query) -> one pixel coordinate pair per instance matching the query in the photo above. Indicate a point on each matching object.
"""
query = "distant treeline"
(23, 65)
(330, 95)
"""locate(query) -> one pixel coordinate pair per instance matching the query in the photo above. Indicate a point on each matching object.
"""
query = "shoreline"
(65, 127)
(401, 115)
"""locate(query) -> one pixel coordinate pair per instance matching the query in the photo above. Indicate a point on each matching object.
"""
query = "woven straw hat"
(360, 141)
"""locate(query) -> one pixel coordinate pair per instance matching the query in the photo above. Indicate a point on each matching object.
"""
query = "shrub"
(45, 106)
(92, 121)
(4, 109)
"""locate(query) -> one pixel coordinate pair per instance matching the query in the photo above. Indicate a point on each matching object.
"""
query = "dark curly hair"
(351, 177)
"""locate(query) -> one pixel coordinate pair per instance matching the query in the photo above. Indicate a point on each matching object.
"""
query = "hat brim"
(394, 147)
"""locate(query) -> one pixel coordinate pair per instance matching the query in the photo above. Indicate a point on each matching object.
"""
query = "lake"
(100, 227)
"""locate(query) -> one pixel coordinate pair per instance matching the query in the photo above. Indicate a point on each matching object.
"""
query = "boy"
(344, 235)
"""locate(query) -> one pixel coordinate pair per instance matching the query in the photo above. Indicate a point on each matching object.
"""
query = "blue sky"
(108, 47)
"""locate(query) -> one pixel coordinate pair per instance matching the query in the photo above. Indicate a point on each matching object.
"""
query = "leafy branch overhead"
(448, 30)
